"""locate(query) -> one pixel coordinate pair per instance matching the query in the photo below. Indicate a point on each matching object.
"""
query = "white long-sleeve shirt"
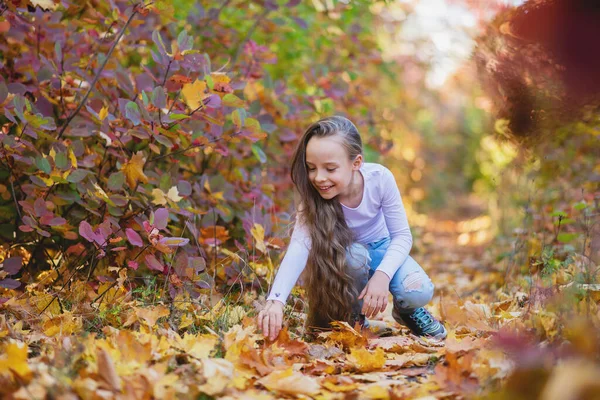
(379, 215)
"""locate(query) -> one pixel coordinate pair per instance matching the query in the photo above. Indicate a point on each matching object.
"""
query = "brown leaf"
(346, 335)
(150, 315)
(453, 345)
(395, 344)
(106, 369)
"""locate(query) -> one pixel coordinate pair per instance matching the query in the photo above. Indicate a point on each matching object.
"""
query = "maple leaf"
(134, 170)
(346, 335)
(218, 374)
(13, 358)
(150, 315)
(365, 361)
(194, 93)
(289, 382)
(258, 233)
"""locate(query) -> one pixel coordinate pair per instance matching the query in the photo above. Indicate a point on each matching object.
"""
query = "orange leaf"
(366, 361)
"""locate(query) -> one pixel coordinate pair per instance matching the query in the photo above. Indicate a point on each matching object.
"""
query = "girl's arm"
(397, 224)
(293, 263)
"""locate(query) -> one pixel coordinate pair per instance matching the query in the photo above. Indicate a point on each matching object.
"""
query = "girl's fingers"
(365, 307)
(380, 305)
(361, 295)
(265, 325)
(383, 305)
(273, 327)
(278, 323)
(259, 319)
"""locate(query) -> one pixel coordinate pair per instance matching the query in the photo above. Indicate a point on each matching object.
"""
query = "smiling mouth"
(325, 188)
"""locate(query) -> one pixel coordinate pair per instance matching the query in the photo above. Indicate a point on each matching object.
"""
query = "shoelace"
(422, 317)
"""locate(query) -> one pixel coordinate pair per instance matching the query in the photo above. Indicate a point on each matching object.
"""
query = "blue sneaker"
(421, 323)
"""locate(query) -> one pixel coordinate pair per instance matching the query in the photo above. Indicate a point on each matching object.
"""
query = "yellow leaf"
(193, 93)
(258, 233)
(14, 359)
(173, 194)
(290, 382)
(72, 158)
(218, 373)
(199, 346)
(375, 391)
(41, 301)
(64, 324)
(366, 361)
(220, 77)
(186, 321)
(159, 197)
(103, 113)
(134, 169)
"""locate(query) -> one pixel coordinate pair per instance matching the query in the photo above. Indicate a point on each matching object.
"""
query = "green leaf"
(132, 112)
(582, 205)
(116, 181)
(157, 38)
(565, 237)
(209, 82)
(231, 100)
(78, 175)
(43, 164)
(58, 50)
(259, 153)
(558, 214)
(61, 161)
(238, 117)
(178, 116)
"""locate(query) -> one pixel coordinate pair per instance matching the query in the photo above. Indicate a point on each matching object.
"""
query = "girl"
(352, 234)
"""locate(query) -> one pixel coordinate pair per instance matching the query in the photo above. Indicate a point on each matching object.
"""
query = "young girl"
(352, 235)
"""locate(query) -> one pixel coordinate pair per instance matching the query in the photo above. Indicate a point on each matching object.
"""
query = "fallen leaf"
(365, 361)
(13, 358)
(106, 369)
(218, 374)
(290, 382)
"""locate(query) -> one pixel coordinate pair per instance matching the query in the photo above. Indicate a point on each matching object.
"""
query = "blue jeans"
(410, 286)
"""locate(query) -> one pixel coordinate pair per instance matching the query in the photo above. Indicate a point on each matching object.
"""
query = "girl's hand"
(375, 294)
(270, 319)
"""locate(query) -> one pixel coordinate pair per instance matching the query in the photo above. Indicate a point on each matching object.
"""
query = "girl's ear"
(357, 162)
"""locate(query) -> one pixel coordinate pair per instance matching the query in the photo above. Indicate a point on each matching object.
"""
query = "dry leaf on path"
(290, 382)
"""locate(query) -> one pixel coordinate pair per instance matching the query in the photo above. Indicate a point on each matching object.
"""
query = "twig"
(112, 48)
(247, 37)
(173, 153)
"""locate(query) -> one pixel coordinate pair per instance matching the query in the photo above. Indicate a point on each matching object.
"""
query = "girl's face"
(329, 168)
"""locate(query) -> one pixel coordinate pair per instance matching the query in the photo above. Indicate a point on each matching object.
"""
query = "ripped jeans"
(410, 286)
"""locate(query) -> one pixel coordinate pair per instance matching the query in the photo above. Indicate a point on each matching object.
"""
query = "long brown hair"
(330, 289)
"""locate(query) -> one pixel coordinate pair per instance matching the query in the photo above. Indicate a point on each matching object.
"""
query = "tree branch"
(81, 104)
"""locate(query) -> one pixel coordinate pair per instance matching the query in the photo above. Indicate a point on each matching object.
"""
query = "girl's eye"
(331, 169)
(311, 169)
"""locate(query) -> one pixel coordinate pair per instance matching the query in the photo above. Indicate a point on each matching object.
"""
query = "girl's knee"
(417, 291)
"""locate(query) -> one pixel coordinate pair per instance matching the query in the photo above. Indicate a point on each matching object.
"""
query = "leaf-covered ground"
(129, 348)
